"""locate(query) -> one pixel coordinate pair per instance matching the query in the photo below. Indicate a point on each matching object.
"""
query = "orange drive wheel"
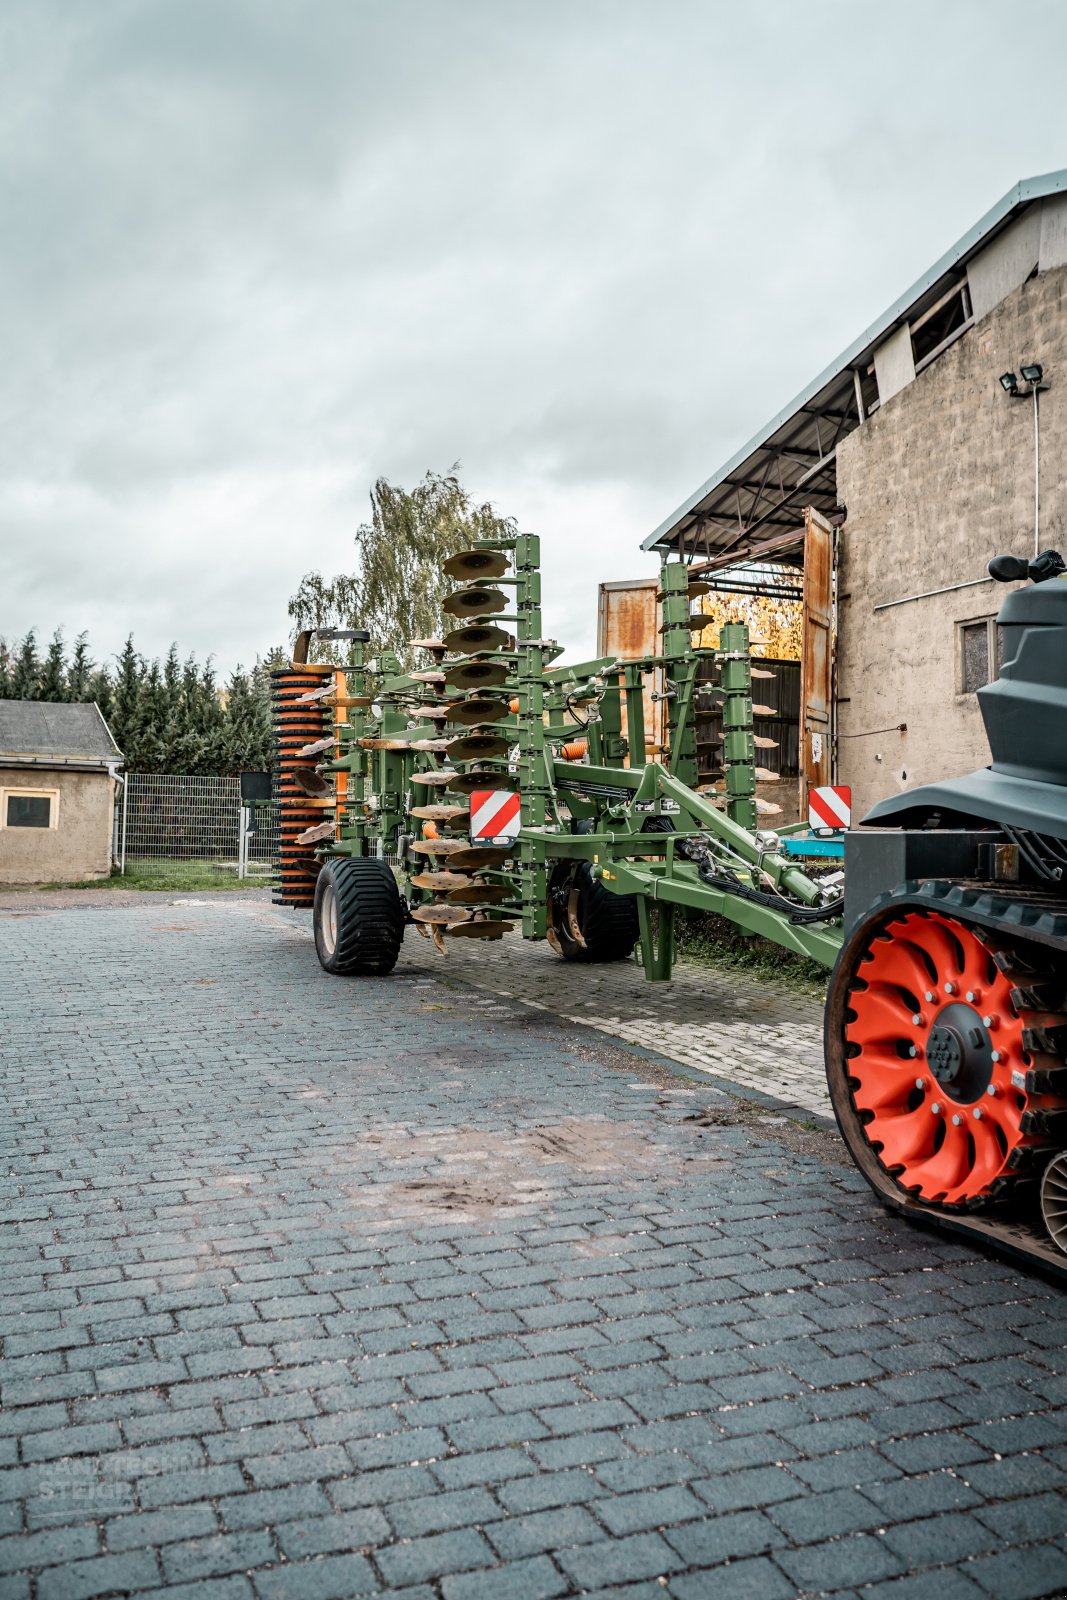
(931, 1040)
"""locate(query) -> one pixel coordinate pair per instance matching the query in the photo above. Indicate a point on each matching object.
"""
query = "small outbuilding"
(59, 769)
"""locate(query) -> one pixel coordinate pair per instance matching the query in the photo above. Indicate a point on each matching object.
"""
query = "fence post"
(243, 827)
(125, 800)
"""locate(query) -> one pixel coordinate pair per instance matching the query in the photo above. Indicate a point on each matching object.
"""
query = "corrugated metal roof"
(794, 453)
(41, 728)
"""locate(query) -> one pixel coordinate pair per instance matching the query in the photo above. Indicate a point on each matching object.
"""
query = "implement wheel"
(588, 922)
(359, 917)
(926, 1055)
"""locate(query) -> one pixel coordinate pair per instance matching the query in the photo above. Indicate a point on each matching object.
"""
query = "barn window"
(30, 808)
(979, 654)
(941, 325)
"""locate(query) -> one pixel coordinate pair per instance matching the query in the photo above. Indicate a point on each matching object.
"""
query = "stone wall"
(937, 481)
(79, 847)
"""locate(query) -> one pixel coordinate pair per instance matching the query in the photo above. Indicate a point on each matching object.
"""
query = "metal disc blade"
(480, 930)
(482, 778)
(441, 882)
(429, 677)
(480, 894)
(468, 713)
(473, 858)
(312, 782)
(477, 636)
(433, 780)
(476, 746)
(477, 674)
(433, 813)
(324, 830)
(696, 587)
(438, 847)
(476, 564)
(428, 644)
(441, 914)
(475, 602)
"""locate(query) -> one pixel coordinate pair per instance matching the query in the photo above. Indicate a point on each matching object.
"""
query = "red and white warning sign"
(494, 816)
(830, 807)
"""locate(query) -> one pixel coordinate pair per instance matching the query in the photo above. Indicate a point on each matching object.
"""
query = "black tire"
(359, 917)
(607, 922)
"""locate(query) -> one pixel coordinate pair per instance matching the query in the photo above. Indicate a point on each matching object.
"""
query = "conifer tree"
(52, 684)
(80, 671)
(125, 701)
(26, 673)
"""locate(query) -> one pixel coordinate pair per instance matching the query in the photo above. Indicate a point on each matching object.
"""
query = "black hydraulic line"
(704, 863)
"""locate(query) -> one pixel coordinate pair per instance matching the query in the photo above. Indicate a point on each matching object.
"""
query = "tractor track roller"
(946, 1056)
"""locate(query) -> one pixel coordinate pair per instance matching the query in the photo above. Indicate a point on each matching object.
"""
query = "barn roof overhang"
(758, 496)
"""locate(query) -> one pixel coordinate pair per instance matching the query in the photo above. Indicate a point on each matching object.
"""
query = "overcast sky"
(256, 253)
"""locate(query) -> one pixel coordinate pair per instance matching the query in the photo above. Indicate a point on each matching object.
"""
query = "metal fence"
(177, 828)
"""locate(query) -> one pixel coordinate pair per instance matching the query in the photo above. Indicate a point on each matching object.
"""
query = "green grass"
(184, 876)
(716, 941)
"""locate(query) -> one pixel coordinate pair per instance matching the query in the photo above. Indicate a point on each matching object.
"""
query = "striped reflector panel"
(494, 816)
(830, 806)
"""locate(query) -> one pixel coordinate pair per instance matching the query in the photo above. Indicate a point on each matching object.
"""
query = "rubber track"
(370, 916)
(1025, 916)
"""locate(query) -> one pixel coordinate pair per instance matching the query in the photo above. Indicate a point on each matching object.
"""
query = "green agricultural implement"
(493, 791)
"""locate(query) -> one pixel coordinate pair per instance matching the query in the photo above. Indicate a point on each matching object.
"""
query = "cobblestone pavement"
(317, 1288)
(727, 1024)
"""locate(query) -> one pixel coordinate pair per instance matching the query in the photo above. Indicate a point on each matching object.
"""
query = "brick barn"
(878, 495)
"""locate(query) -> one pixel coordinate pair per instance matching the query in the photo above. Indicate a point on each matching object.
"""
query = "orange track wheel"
(931, 1040)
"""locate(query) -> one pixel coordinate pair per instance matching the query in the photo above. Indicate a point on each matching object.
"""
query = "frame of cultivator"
(600, 847)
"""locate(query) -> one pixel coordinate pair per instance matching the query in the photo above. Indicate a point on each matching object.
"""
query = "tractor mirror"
(1008, 569)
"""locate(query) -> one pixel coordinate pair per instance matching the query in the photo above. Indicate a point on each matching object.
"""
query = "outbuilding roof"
(760, 492)
(33, 732)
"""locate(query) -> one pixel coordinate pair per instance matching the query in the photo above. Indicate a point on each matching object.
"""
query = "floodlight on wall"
(1033, 376)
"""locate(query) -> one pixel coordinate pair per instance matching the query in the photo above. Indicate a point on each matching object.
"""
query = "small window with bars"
(978, 653)
(29, 808)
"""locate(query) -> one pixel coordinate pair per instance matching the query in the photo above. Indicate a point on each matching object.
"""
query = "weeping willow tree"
(398, 585)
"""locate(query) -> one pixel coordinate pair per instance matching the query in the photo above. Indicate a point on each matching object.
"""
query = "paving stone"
(437, 1513)
(725, 1538)
(641, 1555)
(419, 1560)
(344, 1577)
(1022, 1574)
(187, 1560)
(533, 1579)
(755, 1579)
(649, 1508)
